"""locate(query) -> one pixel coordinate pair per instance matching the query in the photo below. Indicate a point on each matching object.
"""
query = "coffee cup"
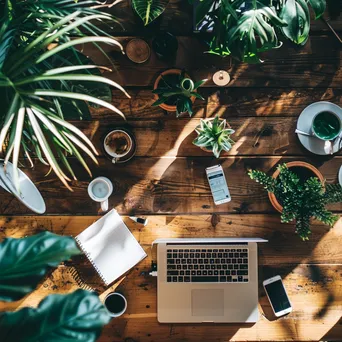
(99, 190)
(117, 144)
(326, 125)
(115, 303)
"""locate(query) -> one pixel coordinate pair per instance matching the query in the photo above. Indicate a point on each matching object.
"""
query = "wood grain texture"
(173, 137)
(228, 102)
(314, 288)
(317, 64)
(165, 185)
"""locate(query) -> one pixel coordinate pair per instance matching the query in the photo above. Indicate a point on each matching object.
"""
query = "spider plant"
(45, 80)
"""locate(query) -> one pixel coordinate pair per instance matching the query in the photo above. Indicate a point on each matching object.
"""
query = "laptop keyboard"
(197, 265)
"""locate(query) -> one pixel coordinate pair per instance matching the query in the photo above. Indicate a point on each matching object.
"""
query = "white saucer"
(304, 123)
(29, 195)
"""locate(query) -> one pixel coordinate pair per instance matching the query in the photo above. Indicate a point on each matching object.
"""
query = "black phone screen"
(278, 297)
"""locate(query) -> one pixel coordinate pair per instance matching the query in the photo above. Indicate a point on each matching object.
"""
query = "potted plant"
(45, 80)
(244, 29)
(214, 136)
(297, 190)
(77, 316)
(175, 91)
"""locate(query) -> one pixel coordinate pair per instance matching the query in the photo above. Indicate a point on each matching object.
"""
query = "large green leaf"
(78, 316)
(297, 16)
(255, 32)
(149, 10)
(318, 6)
(23, 262)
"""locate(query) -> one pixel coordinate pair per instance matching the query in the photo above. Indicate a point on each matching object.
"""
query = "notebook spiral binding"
(79, 280)
(91, 260)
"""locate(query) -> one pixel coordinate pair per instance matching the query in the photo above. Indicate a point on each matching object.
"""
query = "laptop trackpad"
(207, 302)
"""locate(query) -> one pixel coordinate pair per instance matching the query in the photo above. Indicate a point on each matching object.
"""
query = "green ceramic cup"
(326, 125)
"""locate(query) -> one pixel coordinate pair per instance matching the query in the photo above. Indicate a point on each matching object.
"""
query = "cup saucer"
(130, 154)
(304, 123)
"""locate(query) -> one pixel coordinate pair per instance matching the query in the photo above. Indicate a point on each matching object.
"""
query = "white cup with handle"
(99, 190)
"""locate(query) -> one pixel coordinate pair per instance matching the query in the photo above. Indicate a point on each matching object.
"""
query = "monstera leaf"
(23, 262)
(254, 33)
(64, 318)
(297, 15)
(149, 10)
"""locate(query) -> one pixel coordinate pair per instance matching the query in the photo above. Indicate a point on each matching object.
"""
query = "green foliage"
(214, 135)
(78, 316)
(23, 262)
(180, 89)
(300, 200)
(244, 29)
(149, 10)
(45, 80)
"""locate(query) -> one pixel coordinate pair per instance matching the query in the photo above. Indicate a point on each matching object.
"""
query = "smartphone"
(218, 184)
(277, 296)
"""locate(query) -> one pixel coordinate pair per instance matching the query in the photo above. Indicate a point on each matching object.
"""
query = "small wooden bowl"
(165, 106)
(276, 205)
(138, 51)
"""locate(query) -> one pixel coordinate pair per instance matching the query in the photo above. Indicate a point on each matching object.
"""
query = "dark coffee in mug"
(115, 303)
(118, 143)
(326, 125)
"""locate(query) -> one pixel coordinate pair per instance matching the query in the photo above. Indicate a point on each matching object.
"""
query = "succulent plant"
(177, 90)
(214, 135)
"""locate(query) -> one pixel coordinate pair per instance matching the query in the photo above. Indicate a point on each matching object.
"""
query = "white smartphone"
(277, 296)
(218, 184)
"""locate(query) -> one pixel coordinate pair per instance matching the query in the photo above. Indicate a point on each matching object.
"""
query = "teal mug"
(326, 125)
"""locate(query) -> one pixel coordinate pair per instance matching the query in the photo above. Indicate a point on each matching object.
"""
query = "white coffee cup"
(116, 156)
(99, 190)
(115, 303)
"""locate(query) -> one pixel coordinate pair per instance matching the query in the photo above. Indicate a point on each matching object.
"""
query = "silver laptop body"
(207, 280)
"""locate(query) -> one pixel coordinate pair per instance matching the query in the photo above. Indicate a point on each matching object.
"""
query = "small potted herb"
(214, 136)
(297, 190)
(175, 91)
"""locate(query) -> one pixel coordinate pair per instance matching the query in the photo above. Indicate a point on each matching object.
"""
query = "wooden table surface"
(166, 182)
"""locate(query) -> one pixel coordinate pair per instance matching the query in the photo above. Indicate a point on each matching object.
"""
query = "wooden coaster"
(138, 51)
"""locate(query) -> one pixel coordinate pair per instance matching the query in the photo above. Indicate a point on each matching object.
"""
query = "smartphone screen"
(277, 295)
(218, 186)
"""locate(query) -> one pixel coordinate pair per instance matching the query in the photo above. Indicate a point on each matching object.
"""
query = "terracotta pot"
(276, 205)
(156, 83)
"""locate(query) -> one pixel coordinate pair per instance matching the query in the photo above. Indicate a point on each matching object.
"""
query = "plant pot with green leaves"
(175, 91)
(244, 29)
(213, 135)
(45, 81)
(298, 192)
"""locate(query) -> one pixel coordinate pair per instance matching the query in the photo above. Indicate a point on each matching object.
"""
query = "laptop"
(207, 280)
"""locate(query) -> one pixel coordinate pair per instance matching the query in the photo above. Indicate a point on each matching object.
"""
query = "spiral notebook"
(110, 247)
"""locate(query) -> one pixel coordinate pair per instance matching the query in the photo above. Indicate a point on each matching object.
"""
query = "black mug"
(115, 303)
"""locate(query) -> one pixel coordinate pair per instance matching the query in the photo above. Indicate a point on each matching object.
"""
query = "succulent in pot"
(214, 135)
(176, 91)
(297, 190)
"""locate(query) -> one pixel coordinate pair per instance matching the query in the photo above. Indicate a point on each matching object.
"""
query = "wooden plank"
(283, 247)
(253, 136)
(231, 101)
(308, 66)
(164, 185)
(315, 293)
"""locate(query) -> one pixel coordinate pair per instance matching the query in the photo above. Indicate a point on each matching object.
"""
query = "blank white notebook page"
(110, 246)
